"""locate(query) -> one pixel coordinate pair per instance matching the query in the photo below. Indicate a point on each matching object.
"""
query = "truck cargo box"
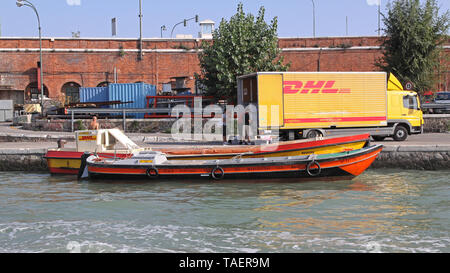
(288, 100)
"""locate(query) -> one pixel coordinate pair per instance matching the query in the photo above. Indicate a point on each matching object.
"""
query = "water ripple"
(380, 211)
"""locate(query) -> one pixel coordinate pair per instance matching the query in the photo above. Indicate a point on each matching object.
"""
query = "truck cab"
(404, 114)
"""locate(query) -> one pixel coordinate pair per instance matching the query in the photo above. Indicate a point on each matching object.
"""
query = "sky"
(92, 18)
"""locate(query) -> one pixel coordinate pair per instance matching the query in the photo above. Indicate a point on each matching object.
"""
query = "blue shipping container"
(94, 94)
(135, 93)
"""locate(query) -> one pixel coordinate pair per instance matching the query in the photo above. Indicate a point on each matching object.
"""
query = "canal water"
(379, 211)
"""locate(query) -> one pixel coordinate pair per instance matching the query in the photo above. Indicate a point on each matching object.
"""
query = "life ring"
(219, 175)
(152, 172)
(308, 168)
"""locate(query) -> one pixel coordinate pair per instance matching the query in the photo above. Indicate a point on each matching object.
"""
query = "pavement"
(421, 139)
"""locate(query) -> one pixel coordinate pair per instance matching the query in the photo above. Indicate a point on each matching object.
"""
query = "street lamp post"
(140, 30)
(379, 13)
(314, 19)
(163, 28)
(21, 3)
(184, 22)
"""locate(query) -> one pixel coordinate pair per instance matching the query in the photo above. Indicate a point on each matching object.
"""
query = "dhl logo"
(87, 138)
(312, 87)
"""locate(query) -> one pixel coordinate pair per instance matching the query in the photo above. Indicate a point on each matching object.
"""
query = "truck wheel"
(313, 134)
(400, 133)
(283, 136)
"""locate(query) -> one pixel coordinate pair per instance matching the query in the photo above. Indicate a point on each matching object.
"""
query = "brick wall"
(89, 62)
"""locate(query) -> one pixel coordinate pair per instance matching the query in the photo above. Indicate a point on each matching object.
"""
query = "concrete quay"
(22, 150)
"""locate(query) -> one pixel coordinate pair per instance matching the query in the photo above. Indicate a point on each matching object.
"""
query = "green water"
(379, 211)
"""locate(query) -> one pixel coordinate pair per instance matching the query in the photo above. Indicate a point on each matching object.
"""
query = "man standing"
(94, 125)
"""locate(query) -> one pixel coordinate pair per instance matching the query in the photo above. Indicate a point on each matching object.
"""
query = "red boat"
(154, 165)
(68, 161)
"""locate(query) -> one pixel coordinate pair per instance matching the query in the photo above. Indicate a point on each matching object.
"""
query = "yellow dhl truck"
(311, 104)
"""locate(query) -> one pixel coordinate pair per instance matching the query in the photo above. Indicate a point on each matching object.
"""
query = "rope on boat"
(239, 156)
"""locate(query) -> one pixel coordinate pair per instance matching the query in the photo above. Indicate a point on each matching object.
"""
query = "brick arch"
(59, 83)
(31, 91)
(71, 91)
(103, 83)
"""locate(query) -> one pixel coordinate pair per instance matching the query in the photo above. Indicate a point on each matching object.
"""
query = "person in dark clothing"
(224, 128)
(247, 128)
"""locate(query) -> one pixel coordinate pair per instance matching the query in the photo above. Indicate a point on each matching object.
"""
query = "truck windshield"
(410, 102)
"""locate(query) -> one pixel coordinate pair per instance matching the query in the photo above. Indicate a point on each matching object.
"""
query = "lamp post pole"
(140, 29)
(184, 22)
(314, 19)
(163, 27)
(21, 3)
(379, 4)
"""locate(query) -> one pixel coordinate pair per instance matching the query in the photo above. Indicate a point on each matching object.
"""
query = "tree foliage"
(242, 45)
(414, 35)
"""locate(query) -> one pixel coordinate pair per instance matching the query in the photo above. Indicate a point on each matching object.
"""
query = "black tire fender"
(152, 172)
(219, 175)
(83, 164)
(308, 168)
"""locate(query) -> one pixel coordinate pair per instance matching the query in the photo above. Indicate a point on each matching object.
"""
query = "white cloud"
(373, 2)
(73, 2)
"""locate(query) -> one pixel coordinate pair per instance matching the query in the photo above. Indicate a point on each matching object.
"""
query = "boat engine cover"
(154, 157)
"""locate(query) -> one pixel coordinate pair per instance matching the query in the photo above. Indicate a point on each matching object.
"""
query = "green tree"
(414, 35)
(243, 45)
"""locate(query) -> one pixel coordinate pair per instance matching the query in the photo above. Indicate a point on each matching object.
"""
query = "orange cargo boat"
(155, 165)
(68, 160)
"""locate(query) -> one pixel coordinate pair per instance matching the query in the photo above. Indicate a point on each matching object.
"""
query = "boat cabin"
(102, 140)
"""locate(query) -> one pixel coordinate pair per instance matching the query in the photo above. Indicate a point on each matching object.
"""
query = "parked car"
(440, 104)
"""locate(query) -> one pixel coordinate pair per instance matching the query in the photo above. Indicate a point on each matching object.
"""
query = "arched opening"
(103, 84)
(71, 91)
(32, 92)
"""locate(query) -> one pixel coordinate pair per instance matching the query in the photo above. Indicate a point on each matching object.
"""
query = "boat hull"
(347, 164)
(68, 162)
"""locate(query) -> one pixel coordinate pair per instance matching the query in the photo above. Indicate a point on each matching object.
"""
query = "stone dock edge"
(417, 157)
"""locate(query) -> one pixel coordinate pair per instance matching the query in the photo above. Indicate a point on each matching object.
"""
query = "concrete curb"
(23, 151)
(11, 137)
(416, 148)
